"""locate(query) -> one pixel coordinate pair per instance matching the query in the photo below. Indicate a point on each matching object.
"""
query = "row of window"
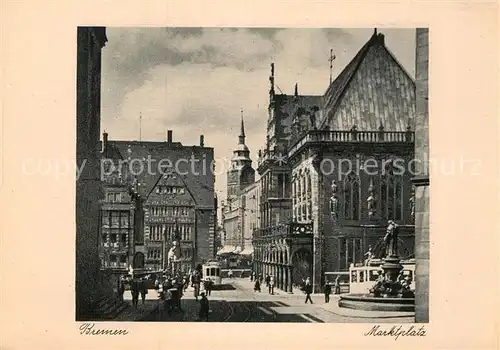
(120, 218)
(389, 191)
(350, 252)
(275, 185)
(170, 211)
(115, 258)
(155, 254)
(170, 190)
(114, 197)
(301, 188)
(113, 238)
(158, 231)
(114, 261)
(303, 212)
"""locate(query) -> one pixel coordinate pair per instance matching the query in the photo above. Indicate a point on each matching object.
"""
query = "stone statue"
(334, 206)
(369, 256)
(312, 119)
(371, 202)
(334, 201)
(334, 187)
(391, 239)
(412, 204)
(173, 256)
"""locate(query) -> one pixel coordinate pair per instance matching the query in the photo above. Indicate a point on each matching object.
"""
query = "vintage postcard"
(254, 181)
(252, 174)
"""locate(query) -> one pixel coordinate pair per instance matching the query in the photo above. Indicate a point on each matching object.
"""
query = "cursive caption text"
(397, 331)
(90, 329)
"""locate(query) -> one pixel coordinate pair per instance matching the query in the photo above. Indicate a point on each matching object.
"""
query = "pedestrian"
(256, 286)
(144, 290)
(134, 290)
(121, 289)
(177, 295)
(208, 286)
(195, 281)
(168, 303)
(204, 308)
(252, 276)
(327, 289)
(337, 285)
(271, 285)
(308, 290)
(230, 274)
(268, 279)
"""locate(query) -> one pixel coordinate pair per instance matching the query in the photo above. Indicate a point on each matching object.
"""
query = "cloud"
(195, 80)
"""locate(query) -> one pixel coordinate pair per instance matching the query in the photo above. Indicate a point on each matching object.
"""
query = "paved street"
(237, 302)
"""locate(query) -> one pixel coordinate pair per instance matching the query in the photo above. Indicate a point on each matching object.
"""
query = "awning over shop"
(237, 250)
(247, 251)
(226, 250)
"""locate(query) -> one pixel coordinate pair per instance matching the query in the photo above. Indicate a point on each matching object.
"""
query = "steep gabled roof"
(335, 92)
(197, 176)
(178, 180)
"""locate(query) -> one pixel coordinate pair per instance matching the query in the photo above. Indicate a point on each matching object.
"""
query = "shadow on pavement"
(228, 311)
(223, 287)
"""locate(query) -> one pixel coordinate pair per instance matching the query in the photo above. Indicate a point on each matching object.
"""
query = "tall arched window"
(391, 194)
(308, 185)
(383, 196)
(351, 196)
(398, 197)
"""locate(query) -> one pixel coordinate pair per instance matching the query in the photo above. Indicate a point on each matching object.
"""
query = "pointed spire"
(296, 89)
(271, 81)
(242, 130)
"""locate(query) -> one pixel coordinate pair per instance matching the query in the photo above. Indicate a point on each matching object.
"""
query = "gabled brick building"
(172, 197)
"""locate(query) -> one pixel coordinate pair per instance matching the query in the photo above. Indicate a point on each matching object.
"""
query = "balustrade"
(284, 230)
(353, 136)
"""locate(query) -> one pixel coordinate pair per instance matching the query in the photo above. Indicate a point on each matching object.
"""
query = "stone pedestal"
(391, 268)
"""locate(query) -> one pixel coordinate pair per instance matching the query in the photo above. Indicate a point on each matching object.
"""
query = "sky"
(198, 80)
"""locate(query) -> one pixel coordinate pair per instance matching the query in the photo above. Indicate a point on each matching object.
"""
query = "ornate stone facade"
(366, 114)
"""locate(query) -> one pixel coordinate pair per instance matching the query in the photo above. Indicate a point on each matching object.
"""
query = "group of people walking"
(138, 287)
(306, 286)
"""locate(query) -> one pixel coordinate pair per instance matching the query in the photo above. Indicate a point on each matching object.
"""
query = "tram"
(362, 278)
(211, 270)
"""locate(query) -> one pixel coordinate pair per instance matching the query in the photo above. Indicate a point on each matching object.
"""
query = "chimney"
(169, 136)
(104, 141)
(202, 141)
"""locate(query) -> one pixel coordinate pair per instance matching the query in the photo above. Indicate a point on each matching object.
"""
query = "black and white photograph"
(252, 175)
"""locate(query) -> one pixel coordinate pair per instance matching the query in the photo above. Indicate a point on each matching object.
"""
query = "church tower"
(241, 174)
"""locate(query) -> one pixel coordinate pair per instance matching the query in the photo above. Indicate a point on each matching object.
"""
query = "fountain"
(388, 293)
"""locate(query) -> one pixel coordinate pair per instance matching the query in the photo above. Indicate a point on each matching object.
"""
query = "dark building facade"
(89, 291)
(122, 215)
(322, 208)
(421, 180)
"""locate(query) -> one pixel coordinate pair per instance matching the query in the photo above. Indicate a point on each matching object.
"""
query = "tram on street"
(362, 278)
(211, 270)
